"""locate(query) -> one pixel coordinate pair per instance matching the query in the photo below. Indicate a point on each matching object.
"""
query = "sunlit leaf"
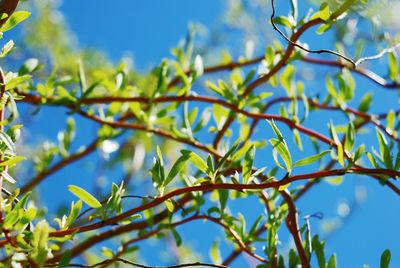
(310, 159)
(14, 19)
(86, 197)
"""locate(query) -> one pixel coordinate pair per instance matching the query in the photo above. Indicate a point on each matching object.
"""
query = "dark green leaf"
(385, 259)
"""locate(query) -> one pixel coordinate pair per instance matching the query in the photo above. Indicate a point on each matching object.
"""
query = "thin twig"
(135, 264)
(319, 51)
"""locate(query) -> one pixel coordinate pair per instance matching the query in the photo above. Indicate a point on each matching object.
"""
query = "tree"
(190, 140)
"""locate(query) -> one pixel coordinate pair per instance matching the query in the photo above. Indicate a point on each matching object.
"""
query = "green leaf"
(340, 151)
(393, 66)
(283, 151)
(7, 48)
(161, 164)
(39, 242)
(348, 84)
(372, 160)
(385, 259)
(359, 152)
(220, 115)
(384, 149)
(223, 195)
(323, 13)
(8, 177)
(293, 258)
(74, 213)
(8, 142)
(331, 88)
(275, 129)
(365, 102)
(324, 27)
(196, 160)
(178, 239)
(297, 139)
(82, 77)
(294, 5)
(29, 66)
(65, 259)
(283, 187)
(215, 253)
(310, 159)
(390, 120)
(14, 19)
(176, 168)
(248, 164)
(16, 81)
(397, 160)
(335, 180)
(350, 137)
(286, 79)
(318, 247)
(86, 197)
(205, 117)
(283, 21)
(12, 161)
(226, 156)
(332, 261)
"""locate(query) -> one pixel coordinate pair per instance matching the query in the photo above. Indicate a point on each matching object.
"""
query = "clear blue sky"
(148, 29)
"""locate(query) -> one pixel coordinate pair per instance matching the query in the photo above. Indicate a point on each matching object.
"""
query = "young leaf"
(8, 142)
(196, 160)
(384, 149)
(390, 119)
(275, 129)
(340, 151)
(248, 164)
(310, 159)
(283, 151)
(14, 19)
(74, 213)
(176, 168)
(323, 13)
(227, 155)
(335, 180)
(393, 66)
(332, 261)
(297, 139)
(12, 161)
(86, 197)
(350, 137)
(39, 242)
(215, 253)
(365, 103)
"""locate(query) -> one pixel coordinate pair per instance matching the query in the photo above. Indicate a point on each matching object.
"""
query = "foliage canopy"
(195, 136)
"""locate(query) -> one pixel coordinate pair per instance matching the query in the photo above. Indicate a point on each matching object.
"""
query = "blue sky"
(145, 29)
(148, 29)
